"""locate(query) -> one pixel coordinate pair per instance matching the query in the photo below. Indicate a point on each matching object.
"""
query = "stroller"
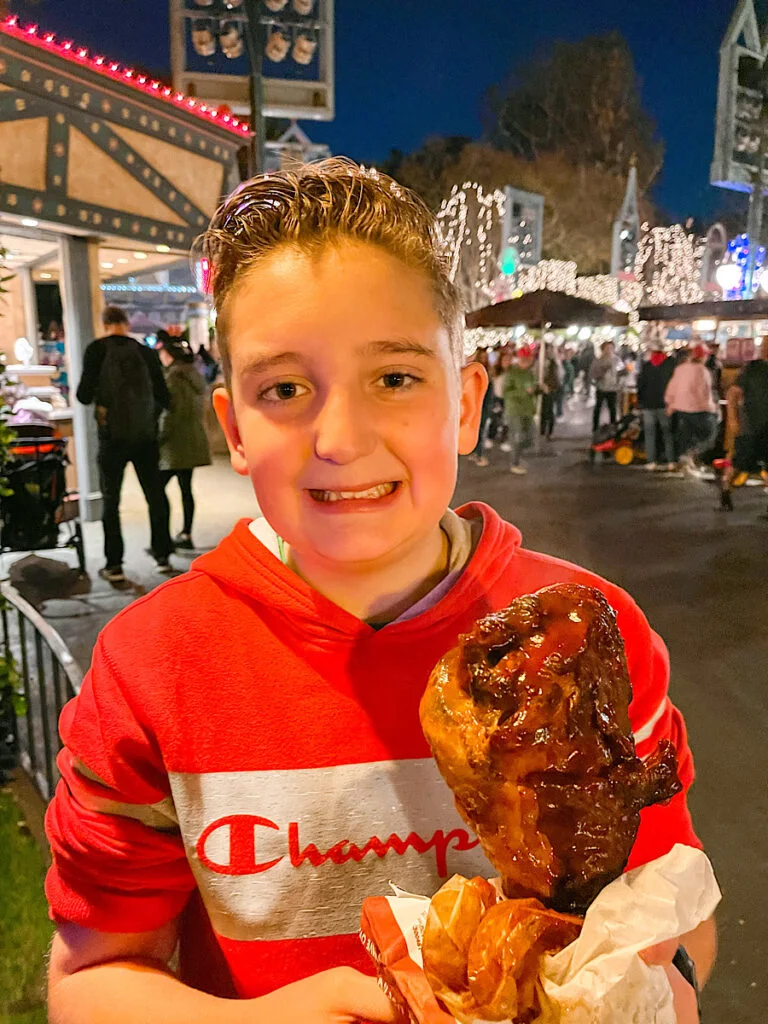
(624, 441)
(39, 509)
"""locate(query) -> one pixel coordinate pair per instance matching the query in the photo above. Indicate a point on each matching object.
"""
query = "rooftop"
(117, 72)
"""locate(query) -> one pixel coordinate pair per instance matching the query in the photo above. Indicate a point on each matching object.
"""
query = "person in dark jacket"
(552, 393)
(117, 445)
(652, 381)
(715, 367)
(183, 441)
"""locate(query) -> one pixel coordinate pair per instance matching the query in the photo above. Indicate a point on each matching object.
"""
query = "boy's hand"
(686, 1005)
(340, 996)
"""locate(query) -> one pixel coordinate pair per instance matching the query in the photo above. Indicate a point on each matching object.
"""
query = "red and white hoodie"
(247, 754)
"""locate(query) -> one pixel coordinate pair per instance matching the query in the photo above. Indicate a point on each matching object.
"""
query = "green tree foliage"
(581, 100)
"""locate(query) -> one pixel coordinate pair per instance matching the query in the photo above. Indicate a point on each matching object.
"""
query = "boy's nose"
(343, 431)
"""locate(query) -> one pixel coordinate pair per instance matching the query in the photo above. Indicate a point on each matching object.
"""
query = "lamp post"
(255, 47)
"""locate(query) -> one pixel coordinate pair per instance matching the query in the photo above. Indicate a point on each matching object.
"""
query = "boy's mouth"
(369, 494)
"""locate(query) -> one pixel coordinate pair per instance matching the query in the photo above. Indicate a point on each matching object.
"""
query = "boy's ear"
(225, 414)
(474, 383)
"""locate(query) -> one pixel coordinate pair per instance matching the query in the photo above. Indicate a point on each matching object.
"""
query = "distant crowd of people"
(149, 406)
(516, 386)
(695, 420)
(690, 417)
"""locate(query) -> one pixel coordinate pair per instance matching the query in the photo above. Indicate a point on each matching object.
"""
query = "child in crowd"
(245, 762)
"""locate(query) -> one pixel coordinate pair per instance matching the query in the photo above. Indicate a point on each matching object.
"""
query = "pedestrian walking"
(505, 360)
(652, 380)
(585, 359)
(124, 380)
(552, 393)
(569, 373)
(520, 390)
(183, 441)
(748, 414)
(605, 374)
(689, 394)
(715, 367)
(478, 454)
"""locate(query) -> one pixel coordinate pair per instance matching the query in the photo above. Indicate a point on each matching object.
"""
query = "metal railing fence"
(48, 676)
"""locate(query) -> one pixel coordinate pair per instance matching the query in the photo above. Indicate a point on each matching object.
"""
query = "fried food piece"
(482, 957)
(528, 722)
(505, 957)
(455, 913)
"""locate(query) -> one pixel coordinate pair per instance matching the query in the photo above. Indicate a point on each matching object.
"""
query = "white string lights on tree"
(669, 266)
(469, 225)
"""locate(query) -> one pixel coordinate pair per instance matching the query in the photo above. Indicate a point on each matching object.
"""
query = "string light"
(469, 227)
(128, 76)
(669, 265)
(173, 289)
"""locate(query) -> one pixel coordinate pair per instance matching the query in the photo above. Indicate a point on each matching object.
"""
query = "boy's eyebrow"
(389, 346)
(261, 363)
(399, 346)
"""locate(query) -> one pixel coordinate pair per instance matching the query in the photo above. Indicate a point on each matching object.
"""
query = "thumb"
(366, 1000)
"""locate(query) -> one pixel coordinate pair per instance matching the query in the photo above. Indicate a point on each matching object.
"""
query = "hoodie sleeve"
(654, 718)
(118, 859)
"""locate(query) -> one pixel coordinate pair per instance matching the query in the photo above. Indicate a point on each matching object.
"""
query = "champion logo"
(242, 831)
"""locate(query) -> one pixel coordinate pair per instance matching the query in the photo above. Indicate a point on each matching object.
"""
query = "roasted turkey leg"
(528, 722)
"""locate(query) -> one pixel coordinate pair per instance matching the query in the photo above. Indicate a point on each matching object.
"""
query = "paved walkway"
(79, 609)
(698, 574)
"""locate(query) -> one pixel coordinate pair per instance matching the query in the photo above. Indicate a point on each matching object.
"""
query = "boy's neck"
(380, 595)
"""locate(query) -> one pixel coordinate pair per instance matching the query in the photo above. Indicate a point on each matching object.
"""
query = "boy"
(245, 761)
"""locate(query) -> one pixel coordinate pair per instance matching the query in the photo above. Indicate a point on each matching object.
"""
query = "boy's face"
(343, 385)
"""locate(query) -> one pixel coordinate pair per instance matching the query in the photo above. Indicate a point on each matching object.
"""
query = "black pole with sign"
(255, 47)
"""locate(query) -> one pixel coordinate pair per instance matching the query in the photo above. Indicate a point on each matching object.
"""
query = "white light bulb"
(728, 276)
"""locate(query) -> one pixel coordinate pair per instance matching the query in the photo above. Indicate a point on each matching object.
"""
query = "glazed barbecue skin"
(528, 722)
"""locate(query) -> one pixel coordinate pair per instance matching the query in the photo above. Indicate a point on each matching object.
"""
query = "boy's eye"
(283, 391)
(397, 381)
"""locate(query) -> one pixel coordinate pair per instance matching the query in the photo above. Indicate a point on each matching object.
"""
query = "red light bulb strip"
(114, 70)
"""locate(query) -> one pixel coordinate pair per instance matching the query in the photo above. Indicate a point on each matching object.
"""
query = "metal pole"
(755, 218)
(754, 229)
(255, 45)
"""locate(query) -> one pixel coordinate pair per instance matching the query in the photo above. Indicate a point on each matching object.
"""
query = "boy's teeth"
(372, 492)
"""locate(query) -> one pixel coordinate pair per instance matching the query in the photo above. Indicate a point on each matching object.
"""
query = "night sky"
(410, 68)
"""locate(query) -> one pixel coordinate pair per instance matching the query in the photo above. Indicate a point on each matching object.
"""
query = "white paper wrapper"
(599, 978)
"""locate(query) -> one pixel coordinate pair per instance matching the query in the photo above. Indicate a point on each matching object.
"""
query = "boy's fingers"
(661, 954)
(686, 1004)
(362, 997)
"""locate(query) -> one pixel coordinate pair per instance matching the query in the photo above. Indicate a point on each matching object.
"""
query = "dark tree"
(581, 100)
(425, 169)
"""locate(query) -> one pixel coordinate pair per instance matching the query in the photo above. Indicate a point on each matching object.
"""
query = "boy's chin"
(354, 551)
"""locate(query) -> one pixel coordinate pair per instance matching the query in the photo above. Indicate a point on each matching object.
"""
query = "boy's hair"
(114, 315)
(311, 206)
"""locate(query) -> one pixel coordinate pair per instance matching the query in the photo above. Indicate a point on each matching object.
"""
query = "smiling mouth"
(370, 494)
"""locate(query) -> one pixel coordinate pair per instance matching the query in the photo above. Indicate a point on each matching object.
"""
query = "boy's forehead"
(360, 300)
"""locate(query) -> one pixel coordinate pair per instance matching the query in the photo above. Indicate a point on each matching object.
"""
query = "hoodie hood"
(243, 564)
